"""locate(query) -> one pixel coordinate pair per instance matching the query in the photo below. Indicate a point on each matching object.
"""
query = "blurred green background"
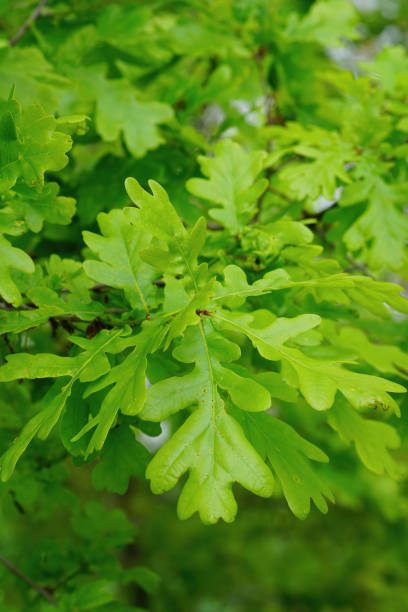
(354, 559)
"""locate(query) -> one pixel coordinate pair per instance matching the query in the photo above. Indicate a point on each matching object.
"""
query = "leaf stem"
(210, 371)
(90, 358)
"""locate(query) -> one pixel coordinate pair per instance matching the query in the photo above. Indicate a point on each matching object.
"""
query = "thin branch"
(98, 287)
(272, 113)
(14, 570)
(9, 345)
(8, 308)
(281, 194)
(357, 266)
(34, 15)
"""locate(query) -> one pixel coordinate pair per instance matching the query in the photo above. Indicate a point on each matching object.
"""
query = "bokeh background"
(355, 558)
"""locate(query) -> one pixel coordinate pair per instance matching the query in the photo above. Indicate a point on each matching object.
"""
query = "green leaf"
(288, 454)
(12, 258)
(121, 110)
(118, 24)
(372, 439)
(189, 307)
(268, 240)
(68, 275)
(122, 457)
(318, 380)
(29, 145)
(277, 387)
(119, 249)
(325, 23)
(210, 444)
(235, 288)
(208, 352)
(128, 392)
(144, 577)
(389, 67)
(87, 366)
(374, 295)
(74, 417)
(232, 183)
(385, 358)
(49, 304)
(321, 277)
(230, 306)
(321, 156)
(96, 523)
(39, 206)
(40, 425)
(32, 75)
(382, 229)
(158, 216)
(92, 595)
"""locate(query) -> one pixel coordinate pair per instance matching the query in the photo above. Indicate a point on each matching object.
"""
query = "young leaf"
(235, 288)
(37, 206)
(197, 387)
(49, 304)
(119, 249)
(210, 444)
(371, 438)
(129, 387)
(382, 229)
(12, 258)
(29, 145)
(321, 156)
(232, 183)
(42, 86)
(288, 454)
(317, 380)
(384, 358)
(157, 216)
(326, 23)
(120, 110)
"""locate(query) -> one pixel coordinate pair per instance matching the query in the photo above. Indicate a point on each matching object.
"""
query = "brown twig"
(9, 345)
(268, 97)
(34, 15)
(14, 570)
(357, 266)
(272, 113)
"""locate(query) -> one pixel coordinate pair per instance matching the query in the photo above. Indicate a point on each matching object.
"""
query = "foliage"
(203, 247)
